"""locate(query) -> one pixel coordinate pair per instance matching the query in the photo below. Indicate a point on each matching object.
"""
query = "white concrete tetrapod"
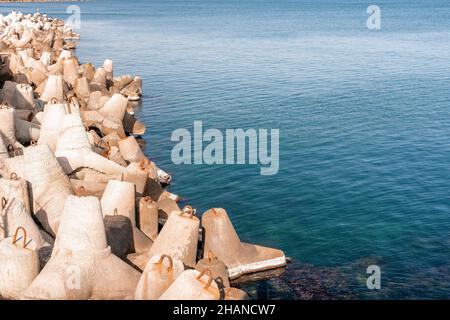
(115, 108)
(88, 188)
(19, 264)
(119, 200)
(218, 269)
(74, 151)
(114, 155)
(37, 75)
(56, 69)
(8, 127)
(70, 71)
(26, 131)
(7, 93)
(88, 71)
(106, 125)
(46, 58)
(54, 89)
(130, 149)
(240, 258)
(167, 207)
(48, 184)
(132, 91)
(15, 215)
(93, 102)
(82, 266)
(65, 55)
(153, 189)
(23, 97)
(81, 89)
(148, 217)
(192, 285)
(159, 274)
(178, 238)
(108, 66)
(52, 118)
(99, 80)
(132, 125)
(134, 173)
(14, 187)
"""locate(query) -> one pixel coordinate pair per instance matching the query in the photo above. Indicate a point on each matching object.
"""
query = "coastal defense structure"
(85, 213)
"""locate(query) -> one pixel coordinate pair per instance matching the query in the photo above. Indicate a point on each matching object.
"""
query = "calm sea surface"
(364, 119)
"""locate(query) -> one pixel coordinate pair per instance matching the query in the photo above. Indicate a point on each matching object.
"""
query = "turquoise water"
(363, 118)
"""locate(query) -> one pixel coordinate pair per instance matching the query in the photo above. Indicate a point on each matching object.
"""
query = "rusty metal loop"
(24, 243)
(4, 202)
(168, 258)
(17, 152)
(210, 278)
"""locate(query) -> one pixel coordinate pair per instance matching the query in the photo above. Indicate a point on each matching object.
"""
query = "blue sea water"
(363, 117)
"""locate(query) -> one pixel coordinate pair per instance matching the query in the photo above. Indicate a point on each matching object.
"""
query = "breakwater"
(82, 205)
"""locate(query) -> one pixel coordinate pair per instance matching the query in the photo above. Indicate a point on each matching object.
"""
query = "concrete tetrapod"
(48, 185)
(53, 89)
(70, 71)
(88, 188)
(115, 108)
(178, 238)
(81, 89)
(148, 217)
(130, 149)
(15, 215)
(113, 154)
(218, 269)
(134, 173)
(167, 207)
(52, 117)
(108, 66)
(119, 200)
(93, 118)
(15, 187)
(74, 150)
(23, 97)
(160, 272)
(192, 285)
(98, 82)
(82, 266)
(7, 92)
(27, 131)
(240, 258)
(8, 128)
(133, 125)
(19, 264)
(37, 74)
